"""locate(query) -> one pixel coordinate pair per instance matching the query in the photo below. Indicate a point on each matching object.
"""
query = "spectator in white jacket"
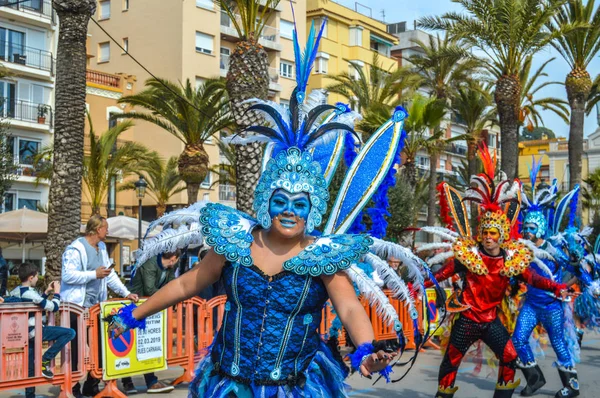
(86, 277)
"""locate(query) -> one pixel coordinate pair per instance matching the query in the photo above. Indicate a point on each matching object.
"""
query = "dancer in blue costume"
(541, 306)
(587, 305)
(277, 270)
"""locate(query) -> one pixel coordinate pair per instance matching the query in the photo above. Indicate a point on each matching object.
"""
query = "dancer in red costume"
(488, 262)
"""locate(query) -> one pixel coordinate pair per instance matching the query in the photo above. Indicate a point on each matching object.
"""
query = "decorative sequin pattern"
(329, 254)
(495, 219)
(228, 232)
(517, 259)
(269, 304)
(537, 218)
(295, 171)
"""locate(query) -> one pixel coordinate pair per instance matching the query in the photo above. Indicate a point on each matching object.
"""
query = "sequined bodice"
(269, 332)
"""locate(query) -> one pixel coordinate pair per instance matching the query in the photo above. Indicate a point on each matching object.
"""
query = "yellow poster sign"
(434, 314)
(135, 352)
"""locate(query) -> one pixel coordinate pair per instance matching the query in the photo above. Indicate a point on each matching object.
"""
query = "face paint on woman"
(284, 204)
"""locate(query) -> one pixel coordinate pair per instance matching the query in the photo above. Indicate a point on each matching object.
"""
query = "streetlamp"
(140, 191)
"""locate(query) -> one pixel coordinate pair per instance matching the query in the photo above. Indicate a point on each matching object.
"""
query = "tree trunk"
(64, 206)
(508, 92)
(161, 208)
(192, 192)
(432, 201)
(473, 168)
(409, 172)
(578, 85)
(193, 168)
(248, 77)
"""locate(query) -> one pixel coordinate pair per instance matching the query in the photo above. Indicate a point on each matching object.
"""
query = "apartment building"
(187, 39)
(350, 40)
(28, 38)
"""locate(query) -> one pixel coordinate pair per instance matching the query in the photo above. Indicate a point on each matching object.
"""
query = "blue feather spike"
(533, 172)
(573, 207)
(597, 245)
(561, 209)
(305, 60)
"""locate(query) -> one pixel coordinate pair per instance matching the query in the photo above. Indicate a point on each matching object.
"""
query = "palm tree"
(508, 32)
(162, 178)
(443, 66)
(107, 159)
(471, 106)
(530, 105)
(594, 98)
(578, 48)
(193, 115)
(247, 77)
(423, 133)
(69, 124)
(365, 89)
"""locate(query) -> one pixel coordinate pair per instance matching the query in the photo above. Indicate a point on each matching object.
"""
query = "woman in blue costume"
(278, 273)
(540, 306)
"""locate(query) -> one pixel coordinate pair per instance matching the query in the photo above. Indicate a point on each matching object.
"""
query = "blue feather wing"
(365, 175)
(561, 210)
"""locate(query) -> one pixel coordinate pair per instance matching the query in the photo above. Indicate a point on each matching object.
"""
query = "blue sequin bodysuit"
(268, 344)
(543, 307)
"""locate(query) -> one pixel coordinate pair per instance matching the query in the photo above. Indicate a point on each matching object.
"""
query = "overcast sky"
(398, 11)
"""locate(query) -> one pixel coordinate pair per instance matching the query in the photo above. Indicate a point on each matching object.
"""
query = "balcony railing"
(28, 56)
(268, 33)
(105, 79)
(26, 111)
(227, 192)
(457, 149)
(39, 7)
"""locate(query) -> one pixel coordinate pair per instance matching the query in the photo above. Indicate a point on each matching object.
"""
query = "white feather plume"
(443, 233)
(440, 258)
(237, 139)
(170, 240)
(386, 250)
(373, 294)
(389, 276)
(543, 267)
(538, 252)
(587, 231)
(188, 215)
(434, 246)
(509, 191)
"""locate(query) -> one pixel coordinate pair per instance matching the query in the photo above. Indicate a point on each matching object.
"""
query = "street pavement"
(421, 382)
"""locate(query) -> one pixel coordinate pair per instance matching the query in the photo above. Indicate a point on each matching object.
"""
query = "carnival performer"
(587, 305)
(488, 262)
(540, 306)
(277, 272)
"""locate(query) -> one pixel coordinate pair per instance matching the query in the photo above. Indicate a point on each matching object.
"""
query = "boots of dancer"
(568, 377)
(506, 390)
(447, 392)
(535, 380)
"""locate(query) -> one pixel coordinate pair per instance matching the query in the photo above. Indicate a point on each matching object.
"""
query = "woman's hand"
(375, 362)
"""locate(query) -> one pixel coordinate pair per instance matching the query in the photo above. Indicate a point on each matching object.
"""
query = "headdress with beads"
(499, 204)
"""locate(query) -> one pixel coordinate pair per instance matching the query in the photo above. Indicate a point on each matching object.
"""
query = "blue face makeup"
(284, 203)
(531, 229)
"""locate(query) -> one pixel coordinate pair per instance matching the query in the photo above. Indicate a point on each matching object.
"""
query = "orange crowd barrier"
(14, 352)
(192, 326)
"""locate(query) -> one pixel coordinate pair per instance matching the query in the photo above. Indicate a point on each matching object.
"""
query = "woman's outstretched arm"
(184, 287)
(355, 319)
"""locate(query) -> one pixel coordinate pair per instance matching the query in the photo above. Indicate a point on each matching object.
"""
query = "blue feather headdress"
(538, 209)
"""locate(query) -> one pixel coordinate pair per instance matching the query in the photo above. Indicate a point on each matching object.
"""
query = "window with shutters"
(204, 43)
(104, 52)
(104, 10)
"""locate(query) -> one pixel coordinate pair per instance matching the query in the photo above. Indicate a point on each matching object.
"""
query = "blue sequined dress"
(268, 344)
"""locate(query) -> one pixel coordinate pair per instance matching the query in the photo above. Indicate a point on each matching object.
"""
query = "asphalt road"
(421, 382)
